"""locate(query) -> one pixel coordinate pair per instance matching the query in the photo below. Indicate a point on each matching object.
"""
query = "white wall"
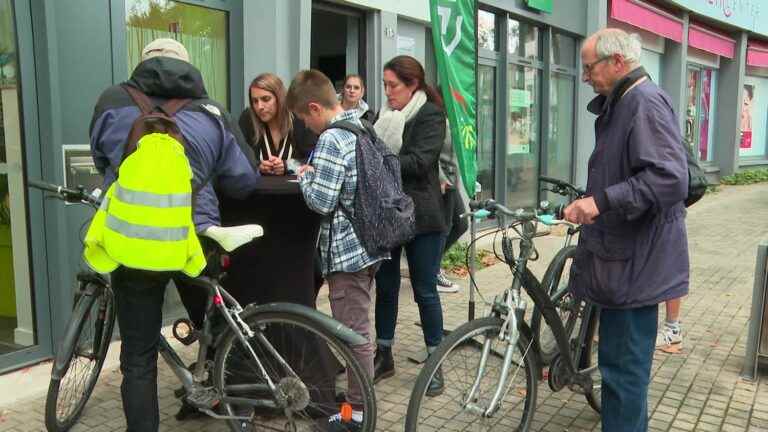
(414, 9)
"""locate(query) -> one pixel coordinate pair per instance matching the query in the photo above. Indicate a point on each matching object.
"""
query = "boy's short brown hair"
(310, 86)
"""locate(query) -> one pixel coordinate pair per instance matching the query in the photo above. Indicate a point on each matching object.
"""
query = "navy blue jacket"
(636, 252)
(215, 147)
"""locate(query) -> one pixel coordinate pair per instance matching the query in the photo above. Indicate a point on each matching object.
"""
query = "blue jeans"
(423, 253)
(627, 342)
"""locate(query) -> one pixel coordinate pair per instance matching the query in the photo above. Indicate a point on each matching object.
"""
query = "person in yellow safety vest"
(217, 154)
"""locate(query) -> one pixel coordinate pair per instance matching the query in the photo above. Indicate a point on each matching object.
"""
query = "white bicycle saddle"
(231, 238)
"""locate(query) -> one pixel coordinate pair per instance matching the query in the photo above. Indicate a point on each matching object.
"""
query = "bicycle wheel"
(555, 282)
(459, 356)
(80, 358)
(294, 351)
(589, 360)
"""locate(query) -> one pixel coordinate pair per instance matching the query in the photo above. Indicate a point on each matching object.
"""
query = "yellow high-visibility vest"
(145, 219)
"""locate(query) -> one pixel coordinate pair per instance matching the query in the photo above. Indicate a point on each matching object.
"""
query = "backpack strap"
(140, 99)
(172, 106)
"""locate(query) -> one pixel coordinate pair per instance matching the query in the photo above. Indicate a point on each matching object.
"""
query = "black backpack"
(697, 181)
(383, 214)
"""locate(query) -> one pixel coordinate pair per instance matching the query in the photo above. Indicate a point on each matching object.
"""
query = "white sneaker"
(445, 285)
(669, 336)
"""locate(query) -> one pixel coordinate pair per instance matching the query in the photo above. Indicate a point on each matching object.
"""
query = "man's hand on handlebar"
(582, 211)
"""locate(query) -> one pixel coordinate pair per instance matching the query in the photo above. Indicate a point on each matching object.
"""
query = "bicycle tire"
(73, 348)
(589, 359)
(436, 410)
(553, 283)
(268, 322)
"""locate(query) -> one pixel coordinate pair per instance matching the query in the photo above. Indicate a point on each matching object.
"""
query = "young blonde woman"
(275, 134)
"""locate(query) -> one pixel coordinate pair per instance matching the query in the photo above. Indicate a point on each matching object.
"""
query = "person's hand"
(278, 167)
(444, 186)
(266, 167)
(582, 211)
(303, 169)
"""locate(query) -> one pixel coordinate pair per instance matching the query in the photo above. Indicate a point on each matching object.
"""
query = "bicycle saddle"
(231, 238)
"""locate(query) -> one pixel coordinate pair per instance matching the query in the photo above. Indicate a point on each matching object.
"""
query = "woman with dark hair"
(412, 124)
(351, 97)
(275, 134)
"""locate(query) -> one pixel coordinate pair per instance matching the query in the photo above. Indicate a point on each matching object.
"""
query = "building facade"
(56, 57)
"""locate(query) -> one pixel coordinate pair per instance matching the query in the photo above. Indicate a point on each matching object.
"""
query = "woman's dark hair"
(410, 71)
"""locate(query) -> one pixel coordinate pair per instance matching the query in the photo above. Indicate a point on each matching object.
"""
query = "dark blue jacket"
(636, 252)
(216, 150)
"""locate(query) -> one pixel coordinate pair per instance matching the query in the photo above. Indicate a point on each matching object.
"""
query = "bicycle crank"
(557, 373)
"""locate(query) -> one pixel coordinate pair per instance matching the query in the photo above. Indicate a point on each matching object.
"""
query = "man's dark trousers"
(627, 342)
(139, 296)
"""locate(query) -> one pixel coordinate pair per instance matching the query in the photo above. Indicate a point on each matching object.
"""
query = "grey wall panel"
(416, 31)
(276, 38)
(674, 70)
(84, 57)
(569, 15)
(729, 104)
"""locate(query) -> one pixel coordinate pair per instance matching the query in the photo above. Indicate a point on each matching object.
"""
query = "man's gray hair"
(613, 41)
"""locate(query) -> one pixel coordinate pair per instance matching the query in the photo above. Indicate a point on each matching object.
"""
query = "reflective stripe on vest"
(145, 232)
(150, 199)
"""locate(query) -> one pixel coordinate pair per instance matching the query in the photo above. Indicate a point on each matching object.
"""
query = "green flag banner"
(453, 34)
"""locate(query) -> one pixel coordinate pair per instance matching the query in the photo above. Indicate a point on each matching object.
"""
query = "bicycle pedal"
(184, 331)
(203, 398)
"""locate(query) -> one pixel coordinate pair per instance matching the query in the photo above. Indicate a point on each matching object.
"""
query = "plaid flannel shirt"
(334, 181)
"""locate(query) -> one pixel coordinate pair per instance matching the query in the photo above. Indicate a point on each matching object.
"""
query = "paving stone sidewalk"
(698, 389)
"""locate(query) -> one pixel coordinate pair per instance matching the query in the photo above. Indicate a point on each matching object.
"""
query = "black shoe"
(436, 386)
(383, 364)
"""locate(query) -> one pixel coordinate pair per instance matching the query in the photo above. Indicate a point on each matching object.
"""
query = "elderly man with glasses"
(633, 249)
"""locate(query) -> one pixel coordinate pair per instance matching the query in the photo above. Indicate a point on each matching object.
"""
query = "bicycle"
(492, 365)
(249, 382)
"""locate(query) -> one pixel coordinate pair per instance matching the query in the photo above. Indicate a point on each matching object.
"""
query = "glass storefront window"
(563, 51)
(522, 153)
(754, 118)
(203, 31)
(17, 325)
(560, 145)
(524, 40)
(486, 81)
(651, 61)
(486, 30)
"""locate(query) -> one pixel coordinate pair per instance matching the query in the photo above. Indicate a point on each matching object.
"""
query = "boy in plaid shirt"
(327, 182)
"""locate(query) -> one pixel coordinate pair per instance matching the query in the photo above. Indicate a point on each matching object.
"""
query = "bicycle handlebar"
(78, 195)
(562, 187)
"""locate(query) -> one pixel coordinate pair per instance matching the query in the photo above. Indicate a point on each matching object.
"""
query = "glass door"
(699, 102)
(17, 320)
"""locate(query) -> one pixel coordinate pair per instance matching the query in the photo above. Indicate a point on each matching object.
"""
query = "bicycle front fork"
(510, 333)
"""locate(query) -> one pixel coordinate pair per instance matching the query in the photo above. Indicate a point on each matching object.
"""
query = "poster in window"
(746, 116)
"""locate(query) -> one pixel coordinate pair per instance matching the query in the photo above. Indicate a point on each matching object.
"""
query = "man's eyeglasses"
(587, 67)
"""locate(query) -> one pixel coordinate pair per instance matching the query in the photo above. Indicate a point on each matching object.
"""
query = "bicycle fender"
(339, 330)
(527, 334)
(67, 347)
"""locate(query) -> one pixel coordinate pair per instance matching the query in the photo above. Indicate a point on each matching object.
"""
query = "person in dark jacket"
(213, 145)
(351, 98)
(412, 124)
(274, 133)
(633, 249)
